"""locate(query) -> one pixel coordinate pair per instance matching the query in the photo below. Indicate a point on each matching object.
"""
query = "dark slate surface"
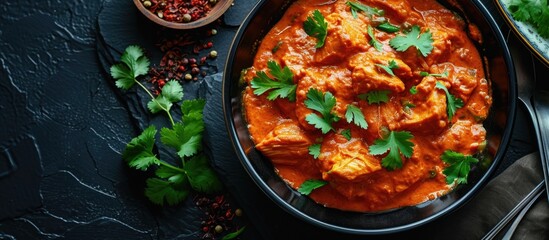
(64, 125)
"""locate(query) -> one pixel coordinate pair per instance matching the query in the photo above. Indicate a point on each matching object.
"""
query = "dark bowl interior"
(499, 69)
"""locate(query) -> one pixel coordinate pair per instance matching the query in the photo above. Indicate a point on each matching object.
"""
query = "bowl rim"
(273, 196)
(219, 9)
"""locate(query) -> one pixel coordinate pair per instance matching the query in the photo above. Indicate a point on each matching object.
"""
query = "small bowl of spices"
(183, 14)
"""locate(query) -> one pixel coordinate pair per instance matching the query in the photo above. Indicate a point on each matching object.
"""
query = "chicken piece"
(344, 160)
(344, 36)
(480, 101)
(465, 79)
(285, 144)
(429, 111)
(368, 76)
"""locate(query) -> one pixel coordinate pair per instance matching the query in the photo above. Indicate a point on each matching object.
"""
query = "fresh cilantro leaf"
(357, 7)
(315, 26)
(354, 115)
(282, 85)
(277, 46)
(186, 137)
(134, 64)
(181, 138)
(201, 176)
(234, 234)
(309, 185)
(347, 134)
(441, 75)
(459, 167)
(534, 12)
(381, 96)
(396, 143)
(160, 191)
(315, 150)
(389, 68)
(422, 42)
(123, 75)
(322, 103)
(373, 41)
(452, 102)
(139, 151)
(388, 27)
(413, 90)
(173, 175)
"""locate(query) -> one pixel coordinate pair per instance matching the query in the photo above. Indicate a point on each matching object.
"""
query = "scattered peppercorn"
(219, 217)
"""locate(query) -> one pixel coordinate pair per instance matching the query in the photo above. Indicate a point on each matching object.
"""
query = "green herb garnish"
(314, 150)
(452, 102)
(459, 168)
(346, 134)
(277, 46)
(133, 64)
(387, 27)
(282, 85)
(389, 68)
(234, 234)
(396, 143)
(322, 103)
(380, 96)
(422, 42)
(172, 183)
(373, 41)
(309, 185)
(315, 26)
(413, 90)
(440, 75)
(354, 115)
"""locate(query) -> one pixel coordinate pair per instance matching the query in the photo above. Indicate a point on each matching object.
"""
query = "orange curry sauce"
(346, 67)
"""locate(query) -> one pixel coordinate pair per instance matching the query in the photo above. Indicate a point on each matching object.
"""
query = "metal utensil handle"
(541, 106)
(505, 220)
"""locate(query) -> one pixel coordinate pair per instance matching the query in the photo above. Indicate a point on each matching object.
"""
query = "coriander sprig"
(322, 103)
(133, 64)
(172, 182)
(315, 26)
(357, 7)
(452, 102)
(458, 168)
(396, 142)
(280, 86)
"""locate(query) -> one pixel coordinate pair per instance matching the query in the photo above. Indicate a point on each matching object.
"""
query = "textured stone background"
(63, 127)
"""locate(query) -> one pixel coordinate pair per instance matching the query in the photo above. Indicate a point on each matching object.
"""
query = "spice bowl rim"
(216, 12)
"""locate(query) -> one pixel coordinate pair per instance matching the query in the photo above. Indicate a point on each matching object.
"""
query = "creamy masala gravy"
(345, 66)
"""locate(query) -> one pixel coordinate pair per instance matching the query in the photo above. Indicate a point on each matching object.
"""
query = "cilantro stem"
(154, 100)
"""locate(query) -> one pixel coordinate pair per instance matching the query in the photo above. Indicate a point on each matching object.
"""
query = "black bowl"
(499, 69)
